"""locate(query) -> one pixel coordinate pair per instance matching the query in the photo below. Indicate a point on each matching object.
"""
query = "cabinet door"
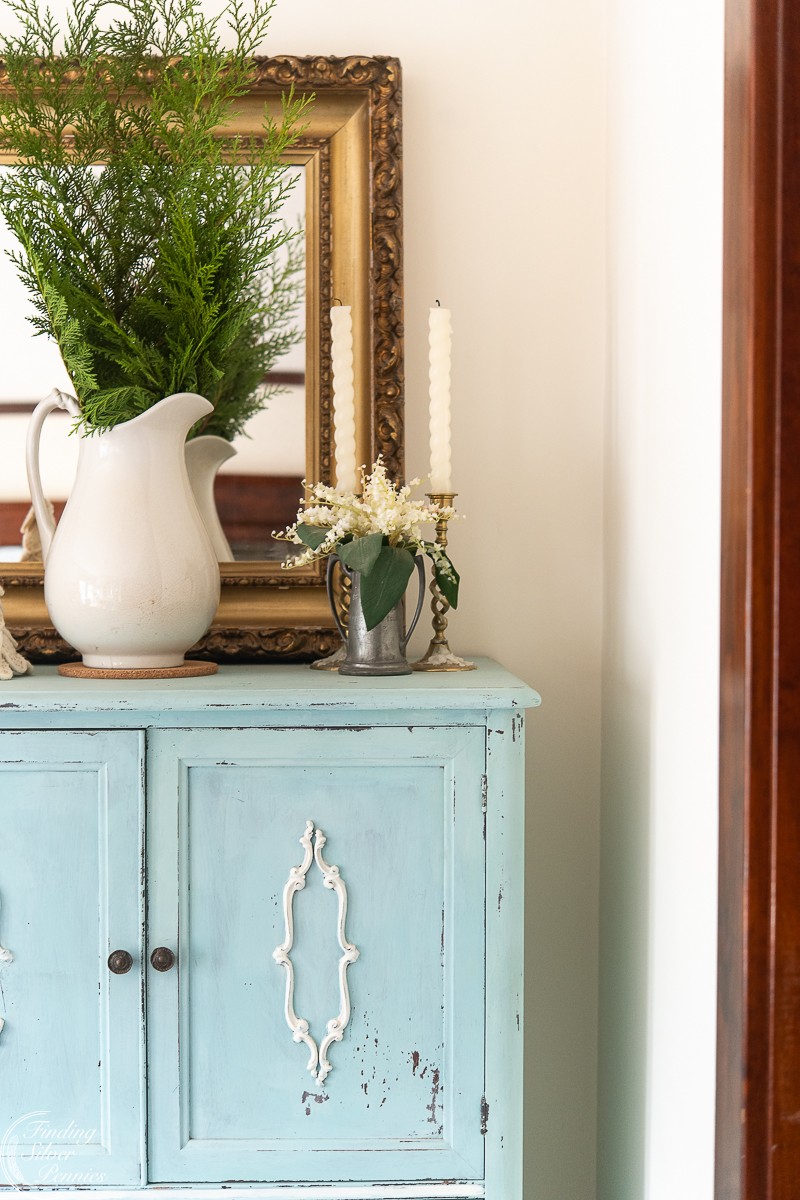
(231, 1094)
(71, 807)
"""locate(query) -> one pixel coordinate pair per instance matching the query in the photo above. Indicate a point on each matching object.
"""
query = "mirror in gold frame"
(351, 159)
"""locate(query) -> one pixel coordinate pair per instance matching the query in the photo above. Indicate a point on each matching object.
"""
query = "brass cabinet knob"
(162, 959)
(120, 962)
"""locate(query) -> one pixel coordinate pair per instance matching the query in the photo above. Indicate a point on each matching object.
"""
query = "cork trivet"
(184, 671)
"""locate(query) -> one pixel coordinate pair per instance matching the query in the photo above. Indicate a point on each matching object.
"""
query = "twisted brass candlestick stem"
(439, 656)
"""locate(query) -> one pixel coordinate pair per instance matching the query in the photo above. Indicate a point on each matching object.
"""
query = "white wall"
(506, 155)
(504, 223)
(661, 657)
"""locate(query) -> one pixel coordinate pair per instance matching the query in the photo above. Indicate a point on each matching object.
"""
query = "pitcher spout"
(175, 415)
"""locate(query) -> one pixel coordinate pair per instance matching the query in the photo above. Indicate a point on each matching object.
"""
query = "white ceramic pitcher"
(204, 457)
(131, 578)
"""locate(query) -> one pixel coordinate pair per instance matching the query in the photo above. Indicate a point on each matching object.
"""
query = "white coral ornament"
(11, 662)
(31, 539)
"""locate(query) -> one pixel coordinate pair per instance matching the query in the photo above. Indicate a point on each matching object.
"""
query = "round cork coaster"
(184, 671)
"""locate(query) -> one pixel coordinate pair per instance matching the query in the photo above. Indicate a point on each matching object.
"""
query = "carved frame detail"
(318, 1063)
(240, 645)
(382, 77)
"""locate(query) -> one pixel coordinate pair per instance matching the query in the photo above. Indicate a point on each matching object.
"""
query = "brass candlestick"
(439, 656)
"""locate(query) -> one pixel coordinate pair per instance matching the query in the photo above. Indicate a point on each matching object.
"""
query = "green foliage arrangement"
(375, 532)
(150, 237)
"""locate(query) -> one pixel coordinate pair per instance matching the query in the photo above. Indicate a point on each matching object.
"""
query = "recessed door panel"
(370, 843)
(71, 808)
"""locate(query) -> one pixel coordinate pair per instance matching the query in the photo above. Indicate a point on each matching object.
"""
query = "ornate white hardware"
(5, 957)
(295, 883)
(336, 1026)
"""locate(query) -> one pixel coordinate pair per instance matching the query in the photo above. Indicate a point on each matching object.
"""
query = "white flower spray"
(380, 508)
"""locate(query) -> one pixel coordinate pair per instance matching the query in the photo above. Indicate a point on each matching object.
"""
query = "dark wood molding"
(19, 407)
(16, 408)
(758, 1078)
(250, 507)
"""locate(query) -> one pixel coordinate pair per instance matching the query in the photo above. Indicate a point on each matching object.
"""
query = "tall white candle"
(439, 342)
(344, 399)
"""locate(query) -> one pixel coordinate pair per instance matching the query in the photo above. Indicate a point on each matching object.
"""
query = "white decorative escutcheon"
(295, 883)
(336, 1026)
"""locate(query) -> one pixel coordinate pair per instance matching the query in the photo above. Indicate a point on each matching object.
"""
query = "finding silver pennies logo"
(35, 1150)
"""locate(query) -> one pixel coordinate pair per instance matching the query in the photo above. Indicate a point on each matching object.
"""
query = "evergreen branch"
(151, 244)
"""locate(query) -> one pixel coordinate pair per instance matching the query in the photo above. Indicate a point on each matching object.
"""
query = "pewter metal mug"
(378, 651)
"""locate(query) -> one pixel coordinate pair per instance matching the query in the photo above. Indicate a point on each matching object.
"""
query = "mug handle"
(332, 561)
(420, 564)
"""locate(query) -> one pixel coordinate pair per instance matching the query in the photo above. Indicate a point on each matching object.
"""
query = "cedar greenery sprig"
(150, 237)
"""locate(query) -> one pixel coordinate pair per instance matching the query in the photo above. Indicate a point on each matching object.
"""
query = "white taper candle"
(439, 342)
(344, 399)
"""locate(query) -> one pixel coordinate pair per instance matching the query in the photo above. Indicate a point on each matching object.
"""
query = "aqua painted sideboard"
(261, 933)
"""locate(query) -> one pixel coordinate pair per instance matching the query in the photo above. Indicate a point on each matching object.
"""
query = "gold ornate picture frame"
(352, 154)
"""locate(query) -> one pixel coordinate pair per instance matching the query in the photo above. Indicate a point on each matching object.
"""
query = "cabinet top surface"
(270, 687)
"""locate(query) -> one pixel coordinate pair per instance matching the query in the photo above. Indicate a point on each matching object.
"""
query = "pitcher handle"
(45, 523)
(332, 561)
(420, 564)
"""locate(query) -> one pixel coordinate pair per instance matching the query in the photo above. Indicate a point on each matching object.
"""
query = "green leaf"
(312, 535)
(362, 553)
(445, 574)
(447, 587)
(385, 584)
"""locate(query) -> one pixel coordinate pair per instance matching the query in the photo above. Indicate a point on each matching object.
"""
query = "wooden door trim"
(758, 1074)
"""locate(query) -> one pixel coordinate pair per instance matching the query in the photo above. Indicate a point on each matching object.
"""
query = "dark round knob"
(162, 959)
(120, 962)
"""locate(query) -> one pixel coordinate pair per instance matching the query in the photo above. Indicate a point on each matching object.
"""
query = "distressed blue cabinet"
(336, 867)
(71, 806)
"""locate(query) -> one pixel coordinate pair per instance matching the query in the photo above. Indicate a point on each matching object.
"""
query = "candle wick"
(336, 300)
(438, 305)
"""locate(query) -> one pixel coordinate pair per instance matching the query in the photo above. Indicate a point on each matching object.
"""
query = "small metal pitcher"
(378, 651)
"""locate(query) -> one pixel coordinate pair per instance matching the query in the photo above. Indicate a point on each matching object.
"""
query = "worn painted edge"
(372, 1191)
(505, 914)
(215, 718)
(259, 688)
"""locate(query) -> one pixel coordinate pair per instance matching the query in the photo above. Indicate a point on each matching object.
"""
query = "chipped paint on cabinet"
(413, 939)
(401, 809)
(71, 822)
